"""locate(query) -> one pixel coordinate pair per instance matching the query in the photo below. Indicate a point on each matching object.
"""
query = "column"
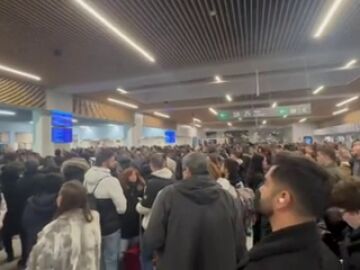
(133, 133)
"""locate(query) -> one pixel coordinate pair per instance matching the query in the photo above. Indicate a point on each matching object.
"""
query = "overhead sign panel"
(292, 110)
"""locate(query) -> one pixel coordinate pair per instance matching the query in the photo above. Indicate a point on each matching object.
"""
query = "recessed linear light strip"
(196, 120)
(122, 91)
(161, 114)
(228, 97)
(197, 125)
(347, 101)
(9, 113)
(114, 29)
(350, 64)
(274, 105)
(123, 103)
(340, 111)
(318, 90)
(20, 73)
(302, 120)
(330, 14)
(213, 111)
(229, 124)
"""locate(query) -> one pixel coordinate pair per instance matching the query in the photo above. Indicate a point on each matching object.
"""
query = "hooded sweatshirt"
(195, 225)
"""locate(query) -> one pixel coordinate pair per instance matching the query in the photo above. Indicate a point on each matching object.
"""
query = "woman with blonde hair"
(72, 241)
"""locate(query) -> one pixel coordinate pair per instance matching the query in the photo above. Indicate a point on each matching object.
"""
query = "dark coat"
(131, 219)
(195, 225)
(350, 251)
(38, 212)
(294, 248)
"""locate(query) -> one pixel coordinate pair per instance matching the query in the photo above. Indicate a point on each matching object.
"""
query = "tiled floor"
(10, 266)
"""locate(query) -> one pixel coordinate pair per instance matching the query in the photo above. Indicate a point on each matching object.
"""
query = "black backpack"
(91, 197)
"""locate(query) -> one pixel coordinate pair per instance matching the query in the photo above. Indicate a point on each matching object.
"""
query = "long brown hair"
(125, 175)
(73, 196)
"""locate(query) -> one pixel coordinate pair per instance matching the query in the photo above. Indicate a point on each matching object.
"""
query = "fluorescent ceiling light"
(74, 120)
(31, 122)
(330, 14)
(264, 122)
(9, 113)
(213, 111)
(274, 105)
(340, 111)
(228, 98)
(84, 127)
(112, 125)
(229, 124)
(350, 64)
(196, 120)
(218, 79)
(197, 125)
(122, 91)
(162, 114)
(347, 101)
(302, 120)
(318, 90)
(285, 116)
(240, 119)
(123, 103)
(20, 73)
(115, 30)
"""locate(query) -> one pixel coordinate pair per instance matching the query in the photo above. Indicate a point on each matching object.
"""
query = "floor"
(13, 265)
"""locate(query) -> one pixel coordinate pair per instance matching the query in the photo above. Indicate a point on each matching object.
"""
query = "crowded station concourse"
(180, 135)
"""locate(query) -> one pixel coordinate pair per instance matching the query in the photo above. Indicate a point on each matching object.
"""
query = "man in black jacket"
(346, 195)
(295, 193)
(195, 224)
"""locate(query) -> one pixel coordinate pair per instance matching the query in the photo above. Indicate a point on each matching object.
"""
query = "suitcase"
(131, 259)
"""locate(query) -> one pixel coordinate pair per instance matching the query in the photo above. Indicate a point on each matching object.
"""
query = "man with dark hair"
(295, 193)
(326, 157)
(110, 202)
(346, 196)
(75, 169)
(195, 224)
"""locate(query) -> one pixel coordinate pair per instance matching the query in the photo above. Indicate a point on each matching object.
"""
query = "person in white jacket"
(110, 203)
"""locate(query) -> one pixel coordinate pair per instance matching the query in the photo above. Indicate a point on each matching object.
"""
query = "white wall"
(300, 130)
(15, 133)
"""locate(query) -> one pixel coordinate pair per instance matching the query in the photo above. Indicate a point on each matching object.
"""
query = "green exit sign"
(281, 111)
(224, 115)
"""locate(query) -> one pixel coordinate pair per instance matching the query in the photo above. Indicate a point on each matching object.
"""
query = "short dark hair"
(327, 151)
(157, 160)
(196, 163)
(307, 180)
(49, 183)
(102, 155)
(346, 195)
(72, 172)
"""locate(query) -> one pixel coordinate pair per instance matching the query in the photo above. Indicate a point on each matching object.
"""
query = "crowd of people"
(239, 206)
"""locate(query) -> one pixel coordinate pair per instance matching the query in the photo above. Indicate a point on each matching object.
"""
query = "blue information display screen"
(61, 135)
(61, 119)
(170, 136)
(308, 140)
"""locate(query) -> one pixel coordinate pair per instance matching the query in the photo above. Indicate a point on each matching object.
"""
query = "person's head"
(57, 152)
(256, 165)
(31, 166)
(214, 169)
(326, 156)
(49, 183)
(355, 150)
(194, 164)
(131, 176)
(73, 196)
(296, 189)
(231, 170)
(346, 196)
(105, 157)
(75, 169)
(157, 161)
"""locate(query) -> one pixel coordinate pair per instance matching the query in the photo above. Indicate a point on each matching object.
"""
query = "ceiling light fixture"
(330, 14)
(31, 122)
(240, 119)
(213, 111)
(274, 105)
(340, 111)
(318, 90)
(229, 124)
(350, 64)
(122, 91)
(9, 113)
(161, 114)
(228, 98)
(111, 125)
(84, 127)
(114, 29)
(347, 101)
(264, 122)
(285, 116)
(218, 79)
(197, 125)
(74, 120)
(123, 103)
(196, 120)
(19, 72)
(302, 120)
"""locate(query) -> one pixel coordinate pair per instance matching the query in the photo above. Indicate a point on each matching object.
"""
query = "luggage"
(131, 259)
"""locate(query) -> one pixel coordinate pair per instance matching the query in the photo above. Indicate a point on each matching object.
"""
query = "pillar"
(133, 133)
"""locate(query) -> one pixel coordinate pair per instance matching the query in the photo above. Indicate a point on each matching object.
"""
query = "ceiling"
(263, 50)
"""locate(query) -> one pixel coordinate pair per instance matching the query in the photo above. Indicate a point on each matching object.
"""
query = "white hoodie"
(109, 188)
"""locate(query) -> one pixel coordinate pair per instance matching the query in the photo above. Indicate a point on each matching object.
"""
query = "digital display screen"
(170, 136)
(308, 140)
(61, 119)
(61, 135)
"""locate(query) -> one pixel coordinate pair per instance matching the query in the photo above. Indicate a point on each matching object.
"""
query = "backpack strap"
(98, 184)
